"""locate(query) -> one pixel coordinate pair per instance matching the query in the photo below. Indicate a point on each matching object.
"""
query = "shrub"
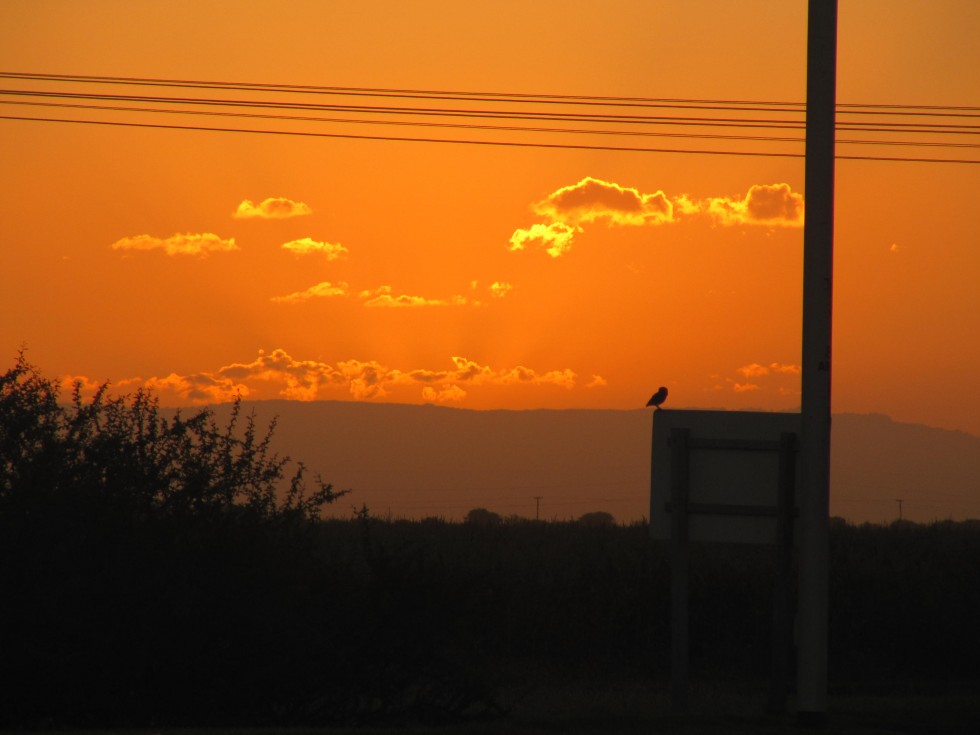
(153, 570)
(483, 517)
(122, 450)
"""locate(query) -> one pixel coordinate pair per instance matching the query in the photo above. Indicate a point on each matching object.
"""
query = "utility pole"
(537, 507)
(899, 501)
(818, 250)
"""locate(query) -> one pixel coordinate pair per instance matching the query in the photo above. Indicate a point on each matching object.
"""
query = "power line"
(715, 121)
(886, 118)
(501, 143)
(474, 126)
(352, 136)
(496, 96)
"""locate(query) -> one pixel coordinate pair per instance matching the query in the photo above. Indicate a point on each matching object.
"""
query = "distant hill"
(416, 461)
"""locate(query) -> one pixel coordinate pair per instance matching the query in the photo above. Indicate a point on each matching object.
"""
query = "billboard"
(729, 466)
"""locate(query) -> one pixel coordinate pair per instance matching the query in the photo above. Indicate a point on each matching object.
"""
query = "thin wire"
(447, 112)
(912, 128)
(351, 136)
(385, 92)
(513, 144)
(489, 96)
(417, 123)
(471, 126)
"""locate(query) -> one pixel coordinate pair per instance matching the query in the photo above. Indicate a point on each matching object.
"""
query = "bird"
(657, 398)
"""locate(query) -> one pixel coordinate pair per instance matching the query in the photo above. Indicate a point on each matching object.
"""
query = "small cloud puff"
(180, 244)
(307, 246)
(597, 382)
(450, 394)
(384, 296)
(755, 370)
(593, 199)
(472, 372)
(325, 289)
(556, 238)
(764, 204)
(381, 297)
(272, 208)
(198, 388)
(775, 378)
(500, 289)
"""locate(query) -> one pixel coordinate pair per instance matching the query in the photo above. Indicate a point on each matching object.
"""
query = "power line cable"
(750, 122)
(490, 127)
(500, 143)
(489, 120)
(856, 108)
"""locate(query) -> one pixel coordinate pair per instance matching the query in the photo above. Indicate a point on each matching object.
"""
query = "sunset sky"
(205, 264)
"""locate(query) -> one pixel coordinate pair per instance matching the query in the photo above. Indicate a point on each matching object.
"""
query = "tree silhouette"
(121, 449)
(597, 519)
(153, 570)
(483, 517)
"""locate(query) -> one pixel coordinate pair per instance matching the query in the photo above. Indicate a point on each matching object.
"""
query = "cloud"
(86, 385)
(324, 289)
(198, 387)
(593, 199)
(500, 289)
(272, 208)
(450, 394)
(468, 371)
(776, 377)
(597, 382)
(381, 297)
(755, 370)
(556, 238)
(764, 204)
(786, 369)
(384, 296)
(181, 244)
(368, 379)
(307, 246)
(296, 379)
(277, 374)
(684, 205)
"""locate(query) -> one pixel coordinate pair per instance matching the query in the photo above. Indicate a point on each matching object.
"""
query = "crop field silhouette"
(149, 587)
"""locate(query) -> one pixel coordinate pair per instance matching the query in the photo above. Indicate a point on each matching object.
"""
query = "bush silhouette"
(483, 517)
(597, 519)
(154, 569)
(122, 450)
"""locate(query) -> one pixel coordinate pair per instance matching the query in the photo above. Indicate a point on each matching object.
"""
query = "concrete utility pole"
(818, 258)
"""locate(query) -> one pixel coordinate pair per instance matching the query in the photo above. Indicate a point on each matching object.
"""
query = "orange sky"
(204, 263)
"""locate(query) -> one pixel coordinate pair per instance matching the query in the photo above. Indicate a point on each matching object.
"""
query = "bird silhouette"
(657, 398)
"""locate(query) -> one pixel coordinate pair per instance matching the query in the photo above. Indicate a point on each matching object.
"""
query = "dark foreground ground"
(639, 707)
(162, 575)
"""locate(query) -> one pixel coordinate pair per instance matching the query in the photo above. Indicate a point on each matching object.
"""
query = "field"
(517, 626)
(165, 573)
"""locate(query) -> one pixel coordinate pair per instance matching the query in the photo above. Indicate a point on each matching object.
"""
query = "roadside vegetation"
(163, 572)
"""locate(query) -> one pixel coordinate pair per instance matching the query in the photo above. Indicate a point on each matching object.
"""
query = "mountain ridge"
(419, 460)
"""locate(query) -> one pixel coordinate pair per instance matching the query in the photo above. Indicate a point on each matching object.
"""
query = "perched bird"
(657, 398)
